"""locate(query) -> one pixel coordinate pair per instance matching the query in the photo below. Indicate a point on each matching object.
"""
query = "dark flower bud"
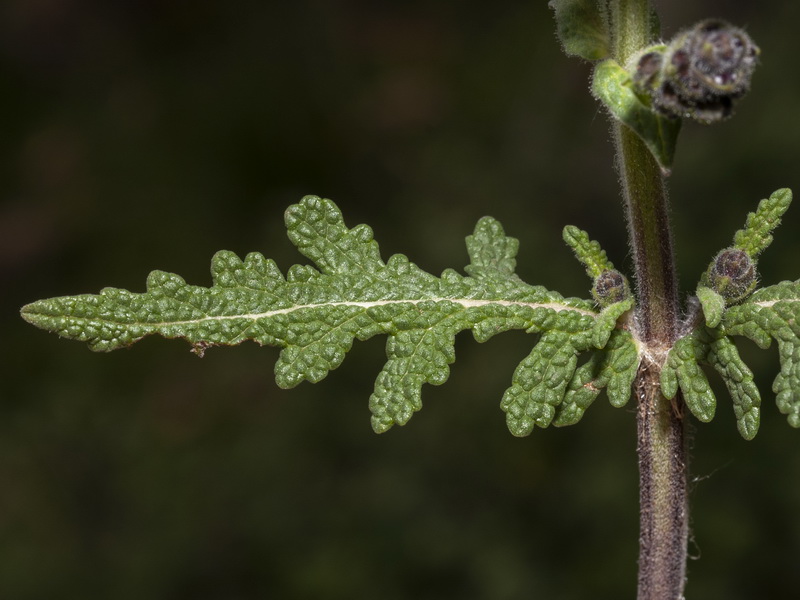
(647, 75)
(701, 73)
(732, 274)
(609, 287)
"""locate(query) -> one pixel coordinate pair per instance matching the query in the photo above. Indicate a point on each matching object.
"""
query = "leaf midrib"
(464, 302)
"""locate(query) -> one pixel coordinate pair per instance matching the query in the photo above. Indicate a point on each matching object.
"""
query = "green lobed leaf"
(757, 233)
(582, 27)
(315, 313)
(613, 86)
(774, 313)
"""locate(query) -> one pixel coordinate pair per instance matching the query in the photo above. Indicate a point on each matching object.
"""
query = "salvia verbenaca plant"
(641, 343)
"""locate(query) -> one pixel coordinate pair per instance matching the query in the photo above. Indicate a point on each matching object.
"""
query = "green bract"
(314, 314)
(613, 86)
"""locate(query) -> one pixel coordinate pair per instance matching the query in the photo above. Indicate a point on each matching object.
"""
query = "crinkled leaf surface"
(683, 370)
(757, 233)
(315, 313)
(613, 370)
(774, 313)
(770, 313)
(738, 378)
(607, 321)
(707, 346)
(588, 251)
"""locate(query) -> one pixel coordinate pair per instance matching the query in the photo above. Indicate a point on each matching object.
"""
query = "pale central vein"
(771, 303)
(464, 302)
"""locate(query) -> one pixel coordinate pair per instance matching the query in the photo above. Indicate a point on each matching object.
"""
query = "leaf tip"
(37, 314)
(582, 29)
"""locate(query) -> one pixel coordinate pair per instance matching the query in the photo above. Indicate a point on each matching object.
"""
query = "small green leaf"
(582, 27)
(582, 390)
(683, 366)
(669, 382)
(738, 378)
(614, 369)
(613, 86)
(607, 321)
(622, 364)
(757, 233)
(540, 381)
(712, 303)
(588, 251)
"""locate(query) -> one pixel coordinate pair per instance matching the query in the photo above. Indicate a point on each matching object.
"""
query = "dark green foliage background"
(144, 135)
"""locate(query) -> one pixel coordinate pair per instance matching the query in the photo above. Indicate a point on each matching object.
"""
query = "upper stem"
(630, 27)
(650, 236)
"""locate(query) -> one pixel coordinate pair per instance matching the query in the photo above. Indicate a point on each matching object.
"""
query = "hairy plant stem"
(661, 441)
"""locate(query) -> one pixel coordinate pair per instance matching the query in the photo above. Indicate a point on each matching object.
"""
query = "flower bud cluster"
(700, 74)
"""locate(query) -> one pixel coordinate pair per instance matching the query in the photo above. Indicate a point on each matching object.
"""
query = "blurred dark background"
(147, 135)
